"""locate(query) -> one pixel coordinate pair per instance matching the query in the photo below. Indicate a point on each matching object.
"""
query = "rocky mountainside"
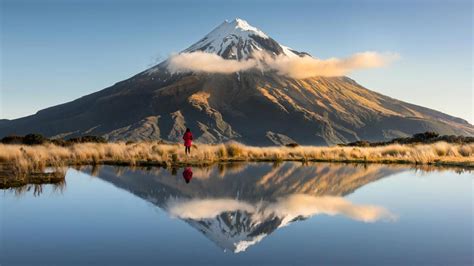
(254, 107)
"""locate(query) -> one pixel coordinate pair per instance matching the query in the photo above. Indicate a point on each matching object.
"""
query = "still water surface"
(242, 214)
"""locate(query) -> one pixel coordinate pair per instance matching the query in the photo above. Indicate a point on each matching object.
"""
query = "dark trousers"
(187, 149)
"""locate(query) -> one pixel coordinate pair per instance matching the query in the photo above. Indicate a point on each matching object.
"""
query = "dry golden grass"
(32, 158)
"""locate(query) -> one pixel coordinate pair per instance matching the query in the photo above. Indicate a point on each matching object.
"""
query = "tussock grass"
(32, 158)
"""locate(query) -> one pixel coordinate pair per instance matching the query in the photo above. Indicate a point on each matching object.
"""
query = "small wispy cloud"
(294, 67)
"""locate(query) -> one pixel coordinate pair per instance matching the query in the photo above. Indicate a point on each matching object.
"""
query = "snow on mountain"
(238, 40)
(231, 231)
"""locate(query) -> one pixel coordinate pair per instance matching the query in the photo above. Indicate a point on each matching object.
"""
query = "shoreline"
(35, 158)
(465, 165)
(17, 180)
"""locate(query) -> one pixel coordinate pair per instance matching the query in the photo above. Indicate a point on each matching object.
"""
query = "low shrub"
(12, 140)
(419, 138)
(30, 139)
(85, 139)
(292, 145)
(38, 139)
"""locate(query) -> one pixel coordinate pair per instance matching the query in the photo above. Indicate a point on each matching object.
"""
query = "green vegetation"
(420, 138)
(38, 139)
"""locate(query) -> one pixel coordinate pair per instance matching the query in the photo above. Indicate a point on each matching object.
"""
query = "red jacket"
(188, 139)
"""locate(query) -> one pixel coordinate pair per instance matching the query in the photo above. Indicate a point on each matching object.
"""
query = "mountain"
(239, 40)
(252, 106)
(237, 206)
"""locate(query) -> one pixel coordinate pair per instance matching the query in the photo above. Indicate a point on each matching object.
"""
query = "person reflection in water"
(188, 141)
(188, 174)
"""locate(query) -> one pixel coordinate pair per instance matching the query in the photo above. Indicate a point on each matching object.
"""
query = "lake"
(242, 214)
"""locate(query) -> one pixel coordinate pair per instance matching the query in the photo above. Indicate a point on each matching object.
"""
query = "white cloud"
(206, 62)
(286, 208)
(294, 67)
(198, 209)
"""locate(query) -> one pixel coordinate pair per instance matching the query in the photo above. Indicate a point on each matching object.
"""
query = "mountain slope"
(250, 106)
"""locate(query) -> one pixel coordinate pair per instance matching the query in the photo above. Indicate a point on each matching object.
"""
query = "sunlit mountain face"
(238, 205)
(159, 103)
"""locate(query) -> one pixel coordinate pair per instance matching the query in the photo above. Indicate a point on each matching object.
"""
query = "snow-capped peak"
(243, 25)
(238, 40)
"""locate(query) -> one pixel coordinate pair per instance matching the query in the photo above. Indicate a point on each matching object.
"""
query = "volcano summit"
(242, 100)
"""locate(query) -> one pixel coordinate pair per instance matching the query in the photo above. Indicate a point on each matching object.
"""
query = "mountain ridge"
(252, 106)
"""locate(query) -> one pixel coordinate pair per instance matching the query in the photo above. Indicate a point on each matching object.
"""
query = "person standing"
(188, 141)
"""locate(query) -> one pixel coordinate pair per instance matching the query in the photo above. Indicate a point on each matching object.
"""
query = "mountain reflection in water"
(237, 205)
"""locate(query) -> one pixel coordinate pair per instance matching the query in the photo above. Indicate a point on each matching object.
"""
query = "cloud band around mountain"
(294, 67)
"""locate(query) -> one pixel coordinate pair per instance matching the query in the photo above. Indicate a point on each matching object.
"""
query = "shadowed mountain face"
(252, 107)
(236, 206)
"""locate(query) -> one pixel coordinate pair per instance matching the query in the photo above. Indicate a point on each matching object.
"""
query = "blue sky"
(56, 51)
